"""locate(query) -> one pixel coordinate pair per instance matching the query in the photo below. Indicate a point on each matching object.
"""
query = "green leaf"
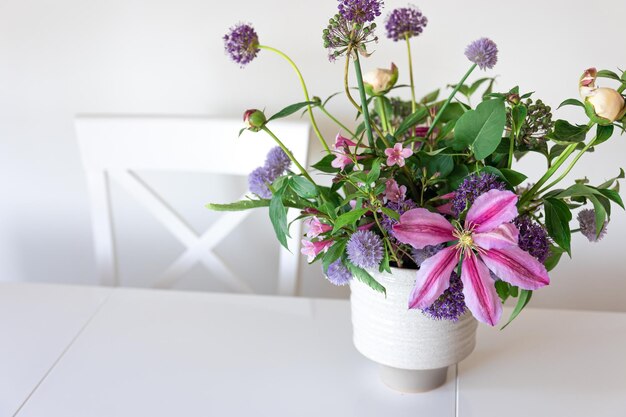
(481, 128)
(324, 165)
(430, 97)
(239, 205)
(453, 111)
(291, 109)
(558, 216)
(524, 299)
(278, 217)
(374, 173)
(571, 102)
(513, 177)
(413, 119)
(553, 259)
(613, 196)
(364, 276)
(600, 212)
(608, 74)
(349, 218)
(476, 84)
(303, 187)
(502, 288)
(519, 115)
(564, 131)
(603, 133)
(390, 213)
(333, 253)
(610, 182)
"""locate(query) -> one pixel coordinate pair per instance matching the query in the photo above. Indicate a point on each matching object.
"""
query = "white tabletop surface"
(165, 353)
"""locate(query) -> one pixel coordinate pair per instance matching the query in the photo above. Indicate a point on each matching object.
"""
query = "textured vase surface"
(387, 332)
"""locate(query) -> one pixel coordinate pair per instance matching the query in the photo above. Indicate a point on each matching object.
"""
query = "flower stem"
(445, 104)
(306, 94)
(408, 48)
(289, 154)
(383, 114)
(364, 111)
(346, 86)
(512, 139)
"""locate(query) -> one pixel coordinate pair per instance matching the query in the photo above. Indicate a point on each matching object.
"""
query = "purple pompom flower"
(587, 221)
(451, 304)
(241, 43)
(365, 249)
(258, 181)
(482, 52)
(472, 187)
(360, 11)
(533, 238)
(277, 161)
(405, 22)
(338, 274)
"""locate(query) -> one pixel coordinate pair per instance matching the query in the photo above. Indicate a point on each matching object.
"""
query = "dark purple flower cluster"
(276, 163)
(405, 22)
(451, 304)
(338, 274)
(399, 207)
(482, 52)
(241, 43)
(472, 187)
(420, 255)
(365, 249)
(533, 238)
(360, 11)
(587, 221)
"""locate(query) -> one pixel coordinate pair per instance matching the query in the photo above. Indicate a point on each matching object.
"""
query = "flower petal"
(433, 277)
(502, 236)
(479, 290)
(491, 209)
(420, 227)
(516, 267)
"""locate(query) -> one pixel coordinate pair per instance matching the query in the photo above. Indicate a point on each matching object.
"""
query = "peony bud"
(379, 81)
(254, 119)
(603, 105)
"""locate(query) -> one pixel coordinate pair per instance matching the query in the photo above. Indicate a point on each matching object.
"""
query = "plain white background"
(60, 58)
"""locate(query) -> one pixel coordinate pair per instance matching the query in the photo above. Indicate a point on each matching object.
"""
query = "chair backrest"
(114, 148)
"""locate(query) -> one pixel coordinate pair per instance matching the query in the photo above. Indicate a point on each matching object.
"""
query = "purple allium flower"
(533, 238)
(241, 43)
(338, 274)
(473, 186)
(360, 11)
(258, 181)
(420, 255)
(587, 220)
(365, 249)
(451, 304)
(341, 35)
(405, 22)
(277, 161)
(482, 52)
(399, 207)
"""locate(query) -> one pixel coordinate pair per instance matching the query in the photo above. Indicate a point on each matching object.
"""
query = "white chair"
(115, 148)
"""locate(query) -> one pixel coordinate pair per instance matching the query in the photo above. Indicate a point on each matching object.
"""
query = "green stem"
(512, 139)
(334, 119)
(346, 86)
(570, 166)
(364, 111)
(383, 114)
(306, 94)
(408, 48)
(289, 154)
(445, 104)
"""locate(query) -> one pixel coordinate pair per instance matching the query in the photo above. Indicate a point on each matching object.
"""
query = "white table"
(165, 353)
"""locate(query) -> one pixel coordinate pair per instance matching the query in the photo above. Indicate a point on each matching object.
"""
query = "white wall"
(59, 58)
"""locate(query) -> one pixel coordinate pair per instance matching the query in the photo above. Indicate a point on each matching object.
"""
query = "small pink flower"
(343, 142)
(312, 249)
(397, 154)
(393, 192)
(316, 227)
(341, 160)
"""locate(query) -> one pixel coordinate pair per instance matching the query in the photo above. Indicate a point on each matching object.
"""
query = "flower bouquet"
(429, 184)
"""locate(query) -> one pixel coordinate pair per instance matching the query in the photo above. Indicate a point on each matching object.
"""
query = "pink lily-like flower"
(341, 160)
(312, 249)
(486, 241)
(393, 192)
(342, 141)
(316, 227)
(397, 154)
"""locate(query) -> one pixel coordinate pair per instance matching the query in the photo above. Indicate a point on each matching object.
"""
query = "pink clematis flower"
(487, 241)
(393, 192)
(316, 227)
(312, 249)
(397, 154)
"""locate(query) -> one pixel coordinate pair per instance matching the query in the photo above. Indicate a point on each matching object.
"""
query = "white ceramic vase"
(413, 350)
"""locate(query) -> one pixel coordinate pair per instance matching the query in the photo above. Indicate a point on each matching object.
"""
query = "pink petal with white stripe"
(502, 236)
(420, 227)
(479, 290)
(516, 267)
(433, 278)
(490, 210)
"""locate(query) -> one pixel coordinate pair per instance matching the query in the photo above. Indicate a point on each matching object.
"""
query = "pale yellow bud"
(380, 80)
(607, 103)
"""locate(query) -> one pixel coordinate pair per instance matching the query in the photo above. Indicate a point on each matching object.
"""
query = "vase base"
(412, 381)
